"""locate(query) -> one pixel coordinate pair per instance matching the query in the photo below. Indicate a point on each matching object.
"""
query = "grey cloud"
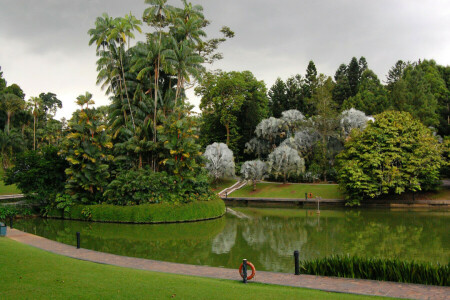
(273, 38)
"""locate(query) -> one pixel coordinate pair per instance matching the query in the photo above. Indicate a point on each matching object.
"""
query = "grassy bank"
(30, 273)
(222, 184)
(296, 190)
(7, 189)
(145, 213)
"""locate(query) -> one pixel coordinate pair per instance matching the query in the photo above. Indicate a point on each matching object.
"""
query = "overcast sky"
(44, 44)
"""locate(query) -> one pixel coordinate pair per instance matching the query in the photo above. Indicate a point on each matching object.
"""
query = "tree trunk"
(140, 160)
(285, 178)
(8, 122)
(254, 184)
(227, 126)
(34, 133)
(126, 91)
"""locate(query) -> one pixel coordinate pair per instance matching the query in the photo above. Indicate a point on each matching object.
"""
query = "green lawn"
(276, 190)
(222, 184)
(7, 189)
(30, 273)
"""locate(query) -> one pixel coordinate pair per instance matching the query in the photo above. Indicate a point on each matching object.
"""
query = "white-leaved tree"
(353, 118)
(254, 170)
(303, 141)
(293, 120)
(271, 130)
(219, 161)
(258, 146)
(285, 161)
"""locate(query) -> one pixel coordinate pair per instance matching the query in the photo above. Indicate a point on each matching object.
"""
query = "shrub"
(146, 213)
(378, 269)
(38, 174)
(394, 154)
(131, 187)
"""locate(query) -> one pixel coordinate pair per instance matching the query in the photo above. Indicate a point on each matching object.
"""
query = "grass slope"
(30, 273)
(222, 184)
(7, 189)
(276, 190)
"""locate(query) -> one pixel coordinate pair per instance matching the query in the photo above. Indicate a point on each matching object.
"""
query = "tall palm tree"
(10, 142)
(113, 34)
(184, 62)
(158, 16)
(11, 103)
(35, 103)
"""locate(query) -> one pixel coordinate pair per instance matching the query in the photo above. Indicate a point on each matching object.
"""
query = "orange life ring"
(310, 195)
(253, 270)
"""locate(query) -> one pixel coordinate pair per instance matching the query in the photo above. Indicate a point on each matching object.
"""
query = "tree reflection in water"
(267, 239)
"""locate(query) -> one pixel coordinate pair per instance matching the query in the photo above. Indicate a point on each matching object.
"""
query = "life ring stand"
(253, 270)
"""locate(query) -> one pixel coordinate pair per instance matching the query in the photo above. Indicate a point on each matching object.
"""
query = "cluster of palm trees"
(31, 126)
(147, 81)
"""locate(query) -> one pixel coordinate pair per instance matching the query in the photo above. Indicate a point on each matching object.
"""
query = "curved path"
(331, 284)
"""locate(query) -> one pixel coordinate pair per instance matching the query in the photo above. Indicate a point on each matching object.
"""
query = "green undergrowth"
(276, 190)
(30, 273)
(378, 269)
(144, 213)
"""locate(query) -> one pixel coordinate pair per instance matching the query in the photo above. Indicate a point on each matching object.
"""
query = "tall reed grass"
(378, 269)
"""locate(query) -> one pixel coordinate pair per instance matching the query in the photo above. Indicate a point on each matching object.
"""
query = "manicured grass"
(222, 184)
(276, 190)
(145, 213)
(30, 273)
(7, 189)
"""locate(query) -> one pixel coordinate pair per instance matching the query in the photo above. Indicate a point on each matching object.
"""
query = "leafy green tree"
(11, 142)
(326, 122)
(238, 101)
(353, 75)
(10, 103)
(341, 90)
(14, 89)
(395, 74)
(295, 94)
(392, 155)
(277, 98)
(444, 103)
(2, 81)
(182, 155)
(86, 148)
(39, 174)
(371, 98)
(50, 103)
(310, 80)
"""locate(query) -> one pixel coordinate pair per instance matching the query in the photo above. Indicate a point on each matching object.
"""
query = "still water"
(265, 236)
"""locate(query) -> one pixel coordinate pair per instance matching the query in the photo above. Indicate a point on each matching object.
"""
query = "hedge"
(378, 269)
(144, 213)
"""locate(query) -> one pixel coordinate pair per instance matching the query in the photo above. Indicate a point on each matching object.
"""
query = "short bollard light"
(244, 270)
(11, 222)
(297, 263)
(78, 240)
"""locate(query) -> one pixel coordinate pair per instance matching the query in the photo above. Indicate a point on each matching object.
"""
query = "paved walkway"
(331, 284)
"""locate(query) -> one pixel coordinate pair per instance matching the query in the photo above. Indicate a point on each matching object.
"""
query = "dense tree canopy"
(232, 104)
(394, 154)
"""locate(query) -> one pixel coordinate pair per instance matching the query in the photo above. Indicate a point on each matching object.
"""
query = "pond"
(265, 236)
